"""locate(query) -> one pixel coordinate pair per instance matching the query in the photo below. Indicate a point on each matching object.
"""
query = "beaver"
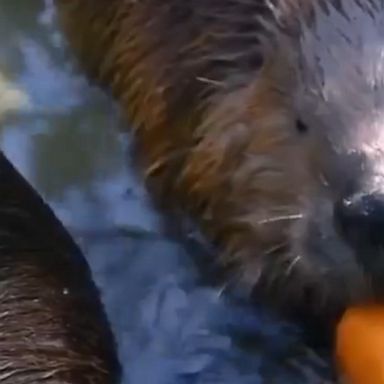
(262, 121)
(54, 329)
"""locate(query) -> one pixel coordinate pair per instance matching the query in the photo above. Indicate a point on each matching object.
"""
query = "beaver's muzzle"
(359, 219)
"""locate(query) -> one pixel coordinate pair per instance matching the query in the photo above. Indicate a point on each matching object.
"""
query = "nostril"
(360, 219)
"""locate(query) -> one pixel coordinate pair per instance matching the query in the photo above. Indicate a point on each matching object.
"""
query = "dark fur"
(53, 327)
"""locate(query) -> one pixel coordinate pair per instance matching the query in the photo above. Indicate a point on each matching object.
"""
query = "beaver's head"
(328, 85)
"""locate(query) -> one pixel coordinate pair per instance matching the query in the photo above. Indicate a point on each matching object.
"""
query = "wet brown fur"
(53, 326)
(207, 117)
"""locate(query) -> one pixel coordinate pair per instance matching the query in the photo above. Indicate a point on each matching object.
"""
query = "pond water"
(65, 137)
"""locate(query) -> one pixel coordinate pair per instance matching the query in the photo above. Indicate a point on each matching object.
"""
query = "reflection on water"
(65, 139)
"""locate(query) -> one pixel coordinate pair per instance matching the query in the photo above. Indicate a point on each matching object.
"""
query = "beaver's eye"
(301, 127)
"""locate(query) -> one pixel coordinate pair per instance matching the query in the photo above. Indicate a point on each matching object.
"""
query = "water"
(65, 137)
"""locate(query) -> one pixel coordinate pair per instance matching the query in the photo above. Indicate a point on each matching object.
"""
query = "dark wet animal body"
(53, 326)
(263, 121)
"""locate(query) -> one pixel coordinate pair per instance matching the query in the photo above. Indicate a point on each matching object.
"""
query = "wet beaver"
(53, 327)
(263, 120)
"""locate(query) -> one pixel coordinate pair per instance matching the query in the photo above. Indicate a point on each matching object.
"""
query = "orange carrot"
(360, 345)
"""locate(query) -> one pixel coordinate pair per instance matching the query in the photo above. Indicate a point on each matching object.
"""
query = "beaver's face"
(337, 244)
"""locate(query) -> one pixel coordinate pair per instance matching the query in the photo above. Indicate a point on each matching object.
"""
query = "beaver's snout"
(360, 220)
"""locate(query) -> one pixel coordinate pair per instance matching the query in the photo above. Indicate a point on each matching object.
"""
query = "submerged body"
(53, 326)
(264, 122)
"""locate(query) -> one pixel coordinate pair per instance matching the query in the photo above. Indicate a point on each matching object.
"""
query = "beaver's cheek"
(329, 261)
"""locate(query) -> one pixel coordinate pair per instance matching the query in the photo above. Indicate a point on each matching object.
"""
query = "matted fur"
(214, 89)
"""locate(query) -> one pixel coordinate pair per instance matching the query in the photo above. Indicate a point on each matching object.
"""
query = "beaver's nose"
(360, 218)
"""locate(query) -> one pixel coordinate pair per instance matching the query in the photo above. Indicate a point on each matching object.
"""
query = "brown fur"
(215, 135)
(187, 77)
(53, 327)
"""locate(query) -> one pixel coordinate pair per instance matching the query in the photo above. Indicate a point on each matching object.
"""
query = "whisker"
(275, 248)
(210, 81)
(275, 219)
(324, 180)
(292, 265)
(221, 291)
